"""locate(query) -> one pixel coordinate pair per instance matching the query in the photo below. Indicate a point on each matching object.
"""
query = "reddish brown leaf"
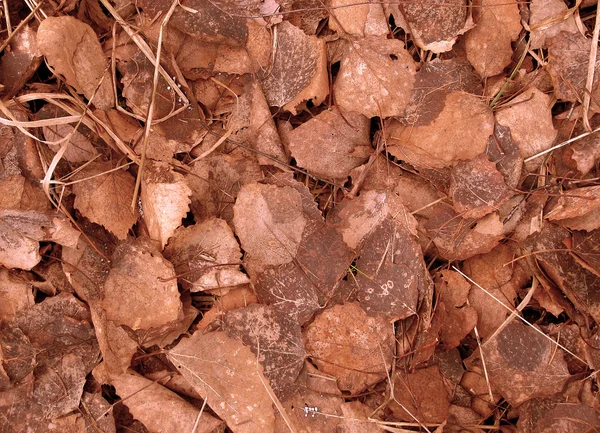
(375, 79)
(140, 291)
(105, 198)
(349, 17)
(459, 132)
(227, 375)
(275, 338)
(355, 348)
(546, 21)
(16, 295)
(205, 256)
(71, 47)
(577, 209)
(477, 187)
(552, 415)
(330, 145)
(299, 71)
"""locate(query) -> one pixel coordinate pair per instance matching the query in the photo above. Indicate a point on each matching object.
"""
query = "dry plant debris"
(304, 216)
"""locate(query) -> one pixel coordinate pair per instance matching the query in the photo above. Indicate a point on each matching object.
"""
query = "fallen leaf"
(375, 78)
(577, 209)
(477, 187)
(159, 409)
(357, 419)
(330, 144)
(420, 395)
(348, 17)
(503, 281)
(585, 250)
(16, 295)
(504, 152)
(552, 415)
(522, 364)
(460, 132)
(205, 256)
(18, 192)
(459, 318)
(305, 14)
(22, 230)
(21, 62)
(71, 47)
(488, 45)
(457, 238)
(165, 200)
(529, 118)
(105, 198)
(584, 152)
(435, 25)
(345, 342)
(229, 378)
(299, 71)
(546, 21)
(215, 182)
(135, 291)
(566, 53)
(275, 339)
(236, 298)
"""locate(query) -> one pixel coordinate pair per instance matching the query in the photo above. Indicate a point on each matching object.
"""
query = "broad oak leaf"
(71, 47)
(376, 78)
(205, 255)
(140, 290)
(165, 200)
(345, 342)
(104, 197)
(229, 378)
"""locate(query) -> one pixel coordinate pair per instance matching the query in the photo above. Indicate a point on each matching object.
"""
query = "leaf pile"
(299, 216)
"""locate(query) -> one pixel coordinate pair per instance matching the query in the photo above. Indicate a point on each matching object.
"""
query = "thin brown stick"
(590, 73)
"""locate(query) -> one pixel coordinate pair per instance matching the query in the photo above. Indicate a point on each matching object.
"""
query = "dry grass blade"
(564, 143)
(590, 73)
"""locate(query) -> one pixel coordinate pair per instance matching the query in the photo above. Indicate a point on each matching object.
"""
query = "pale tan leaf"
(227, 375)
(358, 19)
(551, 13)
(16, 295)
(106, 198)
(165, 200)
(376, 77)
(71, 47)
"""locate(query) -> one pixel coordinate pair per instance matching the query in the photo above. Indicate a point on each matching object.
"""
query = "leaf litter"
(342, 216)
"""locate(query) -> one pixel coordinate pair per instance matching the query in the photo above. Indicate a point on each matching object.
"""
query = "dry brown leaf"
(233, 299)
(329, 145)
(503, 281)
(20, 63)
(458, 318)
(436, 24)
(205, 256)
(529, 118)
(504, 152)
(228, 376)
(522, 364)
(357, 419)
(16, 295)
(355, 348)
(585, 250)
(18, 192)
(358, 19)
(309, 14)
(272, 216)
(584, 152)
(541, 12)
(254, 125)
(422, 393)
(577, 209)
(375, 79)
(159, 409)
(135, 291)
(275, 339)
(459, 132)
(116, 346)
(488, 45)
(106, 198)
(22, 230)
(477, 187)
(457, 238)
(299, 71)
(553, 415)
(71, 47)
(568, 57)
(164, 199)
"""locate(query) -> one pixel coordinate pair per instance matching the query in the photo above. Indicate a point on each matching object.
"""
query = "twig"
(590, 73)
(564, 143)
(19, 27)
